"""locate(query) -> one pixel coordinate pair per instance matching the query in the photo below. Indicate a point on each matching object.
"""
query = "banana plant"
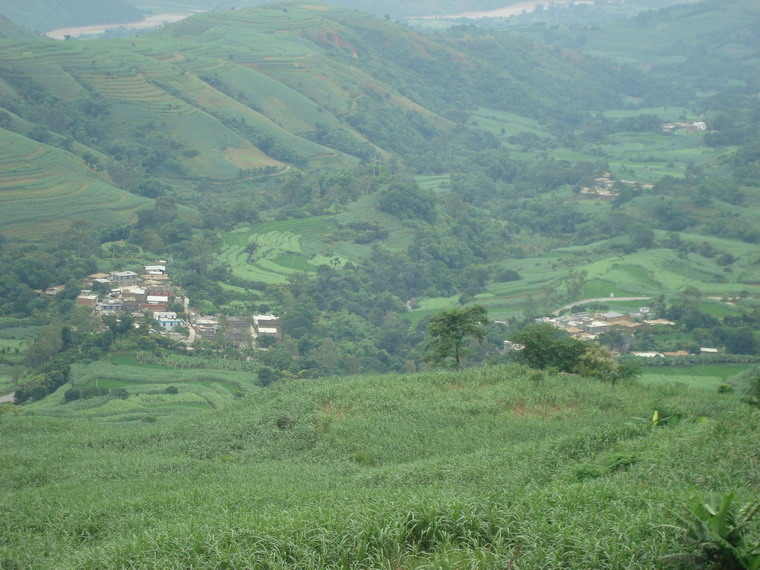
(721, 534)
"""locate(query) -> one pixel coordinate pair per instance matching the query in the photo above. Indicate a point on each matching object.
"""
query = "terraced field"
(280, 249)
(43, 189)
(293, 246)
(146, 386)
(655, 272)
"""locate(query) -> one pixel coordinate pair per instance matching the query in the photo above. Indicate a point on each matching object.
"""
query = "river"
(148, 22)
(513, 10)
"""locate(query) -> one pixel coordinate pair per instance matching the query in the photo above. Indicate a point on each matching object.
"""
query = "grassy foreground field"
(442, 470)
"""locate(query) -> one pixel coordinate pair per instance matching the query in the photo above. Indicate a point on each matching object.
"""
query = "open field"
(146, 386)
(462, 469)
(707, 376)
(282, 248)
(703, 377)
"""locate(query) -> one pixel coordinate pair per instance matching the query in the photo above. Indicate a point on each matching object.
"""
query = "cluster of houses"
(605, 188)
(588, 326)
(129, 293)
(688, 127)
(238, 332)
(153, 293)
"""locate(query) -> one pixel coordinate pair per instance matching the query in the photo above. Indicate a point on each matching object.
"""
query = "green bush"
(120, 393)
(87, 392)
(720, 533)
(71, 394)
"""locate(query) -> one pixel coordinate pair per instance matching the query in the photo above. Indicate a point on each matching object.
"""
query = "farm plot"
(268, 256)
(45, 188)
(661, 271)
(505, 124)
(686, 382)
(136, 391)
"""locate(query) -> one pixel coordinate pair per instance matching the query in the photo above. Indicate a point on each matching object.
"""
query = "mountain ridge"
(310, 86)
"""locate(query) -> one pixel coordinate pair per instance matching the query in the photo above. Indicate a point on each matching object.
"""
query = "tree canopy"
(546, 346)
(450, 330)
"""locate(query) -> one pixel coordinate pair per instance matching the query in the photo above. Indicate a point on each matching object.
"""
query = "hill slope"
(271, 88)
(45, 187)
(461, 469)
(12, 31)
(705, 45)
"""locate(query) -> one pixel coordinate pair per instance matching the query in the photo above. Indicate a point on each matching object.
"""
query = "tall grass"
(438, 470)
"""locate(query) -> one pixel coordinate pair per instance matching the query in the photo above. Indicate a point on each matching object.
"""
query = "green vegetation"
(452, 330)
(720, 532)
(473, 467)
(387, 195)
(356, 201)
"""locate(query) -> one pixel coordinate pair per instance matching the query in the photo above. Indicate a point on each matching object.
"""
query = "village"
(150, 296)
(588, 326)
(606, 189)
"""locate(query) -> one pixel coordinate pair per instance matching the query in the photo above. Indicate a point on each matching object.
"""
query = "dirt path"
(513, 10)
(599, 300)
(8, 398)
(191, 335)
(281, 172)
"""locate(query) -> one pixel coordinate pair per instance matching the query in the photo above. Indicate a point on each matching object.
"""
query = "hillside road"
(599, 300)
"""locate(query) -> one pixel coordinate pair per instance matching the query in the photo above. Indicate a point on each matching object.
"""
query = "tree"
(742, 341)
(449, 331)
(690, 296)
(597, 362)
(575, 281)
(546, 346)
(753, 391)
(48, 344)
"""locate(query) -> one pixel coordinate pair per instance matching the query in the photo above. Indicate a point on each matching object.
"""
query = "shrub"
(87, 392)
(720, 533)
(171, 390)
(71, 394)
(120, 393)
(753, 392)
(506, 275)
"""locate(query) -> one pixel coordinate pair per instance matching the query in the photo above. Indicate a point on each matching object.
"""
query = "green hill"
(703, 46)
(277, 87)
(44, 189)
(446, 470)
(11, 31)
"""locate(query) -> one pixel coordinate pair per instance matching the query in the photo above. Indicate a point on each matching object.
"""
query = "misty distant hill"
(704, 45)
(12, 31)
(46, 15)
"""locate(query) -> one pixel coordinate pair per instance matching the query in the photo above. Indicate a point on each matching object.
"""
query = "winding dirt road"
(599, 300)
